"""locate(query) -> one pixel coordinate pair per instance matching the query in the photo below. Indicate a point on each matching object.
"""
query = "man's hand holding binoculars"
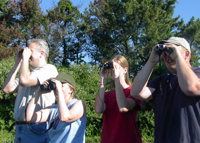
(176, 51)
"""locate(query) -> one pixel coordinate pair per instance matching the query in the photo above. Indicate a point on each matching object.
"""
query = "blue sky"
(185, 8)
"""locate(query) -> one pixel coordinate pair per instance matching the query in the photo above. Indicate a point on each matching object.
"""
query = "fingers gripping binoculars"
(161, 48)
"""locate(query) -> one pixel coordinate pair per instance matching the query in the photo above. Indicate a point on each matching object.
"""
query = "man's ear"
(42, 54)
(187, 54)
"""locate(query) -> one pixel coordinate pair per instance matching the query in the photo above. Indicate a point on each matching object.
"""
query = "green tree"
(9, 29)
(191, 31)
(19, 21)
(67, 33)
(130, 28)
(31, 20)
(127, 27)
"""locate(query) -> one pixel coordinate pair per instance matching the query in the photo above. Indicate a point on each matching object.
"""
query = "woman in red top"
(119, 108)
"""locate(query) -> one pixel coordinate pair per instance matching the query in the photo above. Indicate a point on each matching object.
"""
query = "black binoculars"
(162, 48)
(108, 65)
(50, 86)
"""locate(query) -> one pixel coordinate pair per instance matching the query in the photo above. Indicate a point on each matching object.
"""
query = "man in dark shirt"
(176, 96)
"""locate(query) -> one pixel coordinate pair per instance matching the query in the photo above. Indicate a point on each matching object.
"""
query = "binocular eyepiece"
(161, 47)
(50, 86)
(108, 65)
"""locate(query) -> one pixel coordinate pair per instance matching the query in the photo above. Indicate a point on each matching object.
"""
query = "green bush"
(6, 100)
(6, 137)
(145, 122)
(6, 105)
(87, 84)
(94, 139)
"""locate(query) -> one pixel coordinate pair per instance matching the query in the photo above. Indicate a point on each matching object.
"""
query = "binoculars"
(108, 65)
(50, 86)
(162, 48)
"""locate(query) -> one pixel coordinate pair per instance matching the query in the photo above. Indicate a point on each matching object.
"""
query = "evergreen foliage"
(191, 31)
(66, 34)
(127, 27)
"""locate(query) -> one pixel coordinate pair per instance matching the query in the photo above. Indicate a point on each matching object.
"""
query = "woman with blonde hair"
(68, 117)
(119, 108)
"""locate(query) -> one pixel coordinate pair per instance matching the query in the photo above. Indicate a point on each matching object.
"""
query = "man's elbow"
(23, 82)
(191, 91)
(6, 90)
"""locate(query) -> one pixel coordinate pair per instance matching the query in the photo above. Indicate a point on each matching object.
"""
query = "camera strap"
(27, 124)
(160, 79)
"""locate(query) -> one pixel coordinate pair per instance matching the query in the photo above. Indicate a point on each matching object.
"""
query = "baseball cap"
(177, 41)
(62, 77)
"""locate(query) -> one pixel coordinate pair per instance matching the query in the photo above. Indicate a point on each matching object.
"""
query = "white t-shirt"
(24, 94)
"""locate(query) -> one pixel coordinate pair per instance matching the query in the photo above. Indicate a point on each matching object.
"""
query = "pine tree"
(191, 32)
(9, 28)
(66, 33)
(128, 27)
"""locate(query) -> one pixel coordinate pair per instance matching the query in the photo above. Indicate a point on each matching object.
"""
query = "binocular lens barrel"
(160, 47)
(108, 65)
(50, 86)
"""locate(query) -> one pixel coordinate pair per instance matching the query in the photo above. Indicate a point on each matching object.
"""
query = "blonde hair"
(121, 60)
(73, 92)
